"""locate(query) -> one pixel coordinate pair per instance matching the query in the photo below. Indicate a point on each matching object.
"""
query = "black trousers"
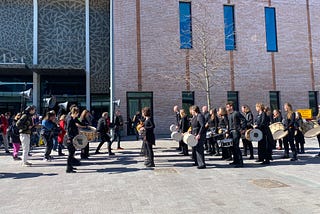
(247, 144)
(184, 147)
(149, 153)
(237, 155)
(48, 142)
(289, 139)
(104, 138)
(85, 152)
(265, 149)
(117, 135)
(71, 158)
(198, 152)
(300, 141)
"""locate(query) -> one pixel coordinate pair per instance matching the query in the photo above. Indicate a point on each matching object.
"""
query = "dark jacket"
(184, 124)
(289, 122)
(198, 125)
(149, 127)
(102, 127)
(223, 122)
(14, 132)
(262, 122)
(237, 122)
(249, 119)
(72, 129)
(24, 123)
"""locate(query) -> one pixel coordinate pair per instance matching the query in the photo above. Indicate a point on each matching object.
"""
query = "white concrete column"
(111, 62)
(36, 90)
(88, 85)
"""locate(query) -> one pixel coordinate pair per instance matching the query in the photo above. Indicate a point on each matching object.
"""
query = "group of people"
(62, 129)
(227, 123)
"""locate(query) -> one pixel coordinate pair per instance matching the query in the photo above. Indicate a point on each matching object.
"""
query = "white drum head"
(177, 136)
(80, 141)
(173, 128)
(190, 139)
(256, 135)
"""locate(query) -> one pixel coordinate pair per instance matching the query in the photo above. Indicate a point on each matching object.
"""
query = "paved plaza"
(121, 184)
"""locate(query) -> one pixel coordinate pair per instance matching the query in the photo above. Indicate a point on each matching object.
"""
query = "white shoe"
(26, 164)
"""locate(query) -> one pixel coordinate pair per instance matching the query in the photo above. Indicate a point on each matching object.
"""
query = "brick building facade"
(148, 57)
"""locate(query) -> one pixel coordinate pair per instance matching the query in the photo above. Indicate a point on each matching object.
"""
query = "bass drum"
(177, 136)
(279, 134)
(256, 135)
(276, 127)
(80, 141)
(190, 139)
(247, 134)
(173, 128)
(313, 132)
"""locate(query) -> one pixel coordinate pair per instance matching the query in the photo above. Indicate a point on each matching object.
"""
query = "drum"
(89, 132)
(247, 134)
(190, 139)
(256, 135)
(173, 128)
(312, 132)
(308, 125)
(177, 136)
(208, 134)
(80, 141)
(225, 142)
(279, 134)
(276, 127)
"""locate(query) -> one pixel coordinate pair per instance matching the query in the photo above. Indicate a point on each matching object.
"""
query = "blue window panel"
(271, 29)
(229, 27)
(185, 25)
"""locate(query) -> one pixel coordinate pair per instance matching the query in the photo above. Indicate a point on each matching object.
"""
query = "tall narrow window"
(274, 100)
(234, 97)
(187, 100)
(229, 27)
(313, 102)
(271, 29)
(185, 25)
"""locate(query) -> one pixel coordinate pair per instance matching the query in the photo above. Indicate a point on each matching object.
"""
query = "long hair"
(290, 111)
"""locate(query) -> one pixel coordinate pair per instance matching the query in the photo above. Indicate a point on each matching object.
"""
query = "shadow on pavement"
(23, 175)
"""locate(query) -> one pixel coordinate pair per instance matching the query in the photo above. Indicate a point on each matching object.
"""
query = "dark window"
(274, 100)
(271, 29)
(313, 102)
(185, 25)
(187, 100)
(234, 97)
(229, 27)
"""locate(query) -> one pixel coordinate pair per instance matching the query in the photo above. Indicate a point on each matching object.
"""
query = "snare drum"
(225, 142)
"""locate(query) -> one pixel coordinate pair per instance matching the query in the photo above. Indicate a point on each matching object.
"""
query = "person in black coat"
(199, 131)
(276, 118)
(149, 138)
(102, 130)
(184, 126)
(73, 125)
(223, 125)
(212, 125)
(237, 125)
(265, 145)
(289, 125)
(249, 121)
(177, 123)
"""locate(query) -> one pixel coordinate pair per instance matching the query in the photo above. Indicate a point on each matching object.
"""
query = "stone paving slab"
(122, 184)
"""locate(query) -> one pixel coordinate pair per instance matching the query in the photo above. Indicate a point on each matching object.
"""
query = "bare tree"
(208, 59)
